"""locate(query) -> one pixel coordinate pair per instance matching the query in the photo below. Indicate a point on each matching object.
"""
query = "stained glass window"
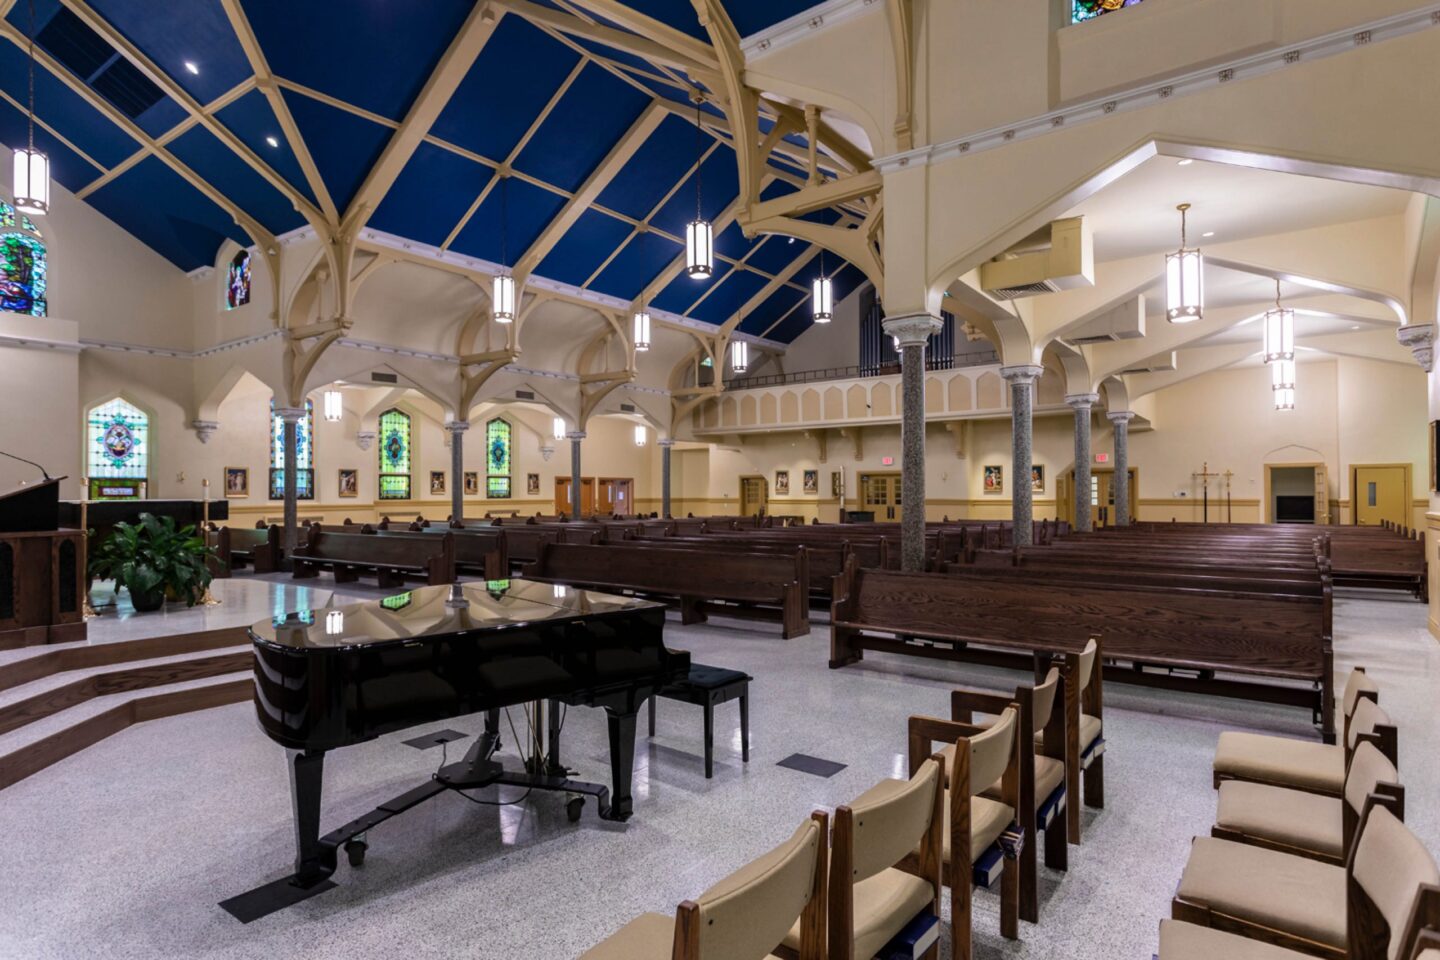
(119, 450)
(497, 459)
(304, 454)
(237, 285)
(23, 271)
(394, 455)
(1082, 10)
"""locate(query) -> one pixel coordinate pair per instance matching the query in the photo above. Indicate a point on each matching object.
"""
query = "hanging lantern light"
(739, 356)
(699, 242)
(640, 435)
(502, 299)
(822, 298)
(1282, 375)
(559, 428)
(32, 168)
(333, 409)
(642, 330)
(1184, 279)
(1279, 331)
(1285, 399)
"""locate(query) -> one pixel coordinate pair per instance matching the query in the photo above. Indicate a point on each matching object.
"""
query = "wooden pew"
(260, 547)
(392, 558)
(218, 539)
(478, 550)
(825, 560)
(763, 586)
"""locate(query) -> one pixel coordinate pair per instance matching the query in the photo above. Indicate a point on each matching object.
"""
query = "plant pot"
(147, 601)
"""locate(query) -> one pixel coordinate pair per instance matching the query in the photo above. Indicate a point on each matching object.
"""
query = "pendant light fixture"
(699, 243)
(1285, 399)
(739, 356)
(642, 330)
(1184, 279)
(502, 301)
(1279, 331)
(1282, 382)
(822, 298)
(558, 428)
(640, 435)
(32, 168)
(333, 409)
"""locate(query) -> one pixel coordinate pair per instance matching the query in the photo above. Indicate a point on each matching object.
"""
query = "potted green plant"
(153, 559)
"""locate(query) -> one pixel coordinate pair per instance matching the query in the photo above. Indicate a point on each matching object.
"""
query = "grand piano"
(336, 676)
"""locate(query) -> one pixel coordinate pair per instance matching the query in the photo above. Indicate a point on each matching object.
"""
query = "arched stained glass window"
(497, 459)
(1090, 9)
(118, 450)
(237, 284)
(394, 455)
(23, 270)
(304, 454)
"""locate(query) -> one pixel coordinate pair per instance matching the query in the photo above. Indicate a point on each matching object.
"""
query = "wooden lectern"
(42, 570)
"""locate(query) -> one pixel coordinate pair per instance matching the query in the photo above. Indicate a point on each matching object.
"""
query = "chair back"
(1042, 701)
(1356, 685)
(1388, 866)
(1366, 718)
(990, 751)
(748, 913)
(890, 820)
(1087, 664)
(1368, 769)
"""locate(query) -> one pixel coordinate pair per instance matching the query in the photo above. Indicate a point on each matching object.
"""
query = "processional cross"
(1205, 476)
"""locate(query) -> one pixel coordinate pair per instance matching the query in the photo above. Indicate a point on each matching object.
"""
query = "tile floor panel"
(125, 849)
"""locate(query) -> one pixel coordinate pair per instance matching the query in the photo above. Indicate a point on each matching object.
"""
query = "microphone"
(31, 462)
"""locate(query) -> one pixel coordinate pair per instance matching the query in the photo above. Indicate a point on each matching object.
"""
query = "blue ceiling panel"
(430, 195)
(640, 262)
(729, 297)
(343, 146)
(152, 202)
(583, 248)
(846, 281)
(199, 150)
(719, 185)
(752, 16)
(674, 13)
(162, 117)
(657, 166)
(373, 54)
(826, 216)
(251, 119)
(684, 290)
(66, 166)
(207, 40)
(777, 305)
(793, 324)
(732, 243)
(776, 253)
(619, 56)
(64, 110)
(516, 75)
(585, 125)
(525, 210)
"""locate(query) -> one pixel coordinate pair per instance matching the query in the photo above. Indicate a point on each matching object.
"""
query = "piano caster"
(573, 808)
(355, 851)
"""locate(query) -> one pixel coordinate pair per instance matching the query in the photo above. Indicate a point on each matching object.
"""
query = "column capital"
(1082, 401)
(1419, 338)
(290, 414)
(912, 329)
(665, 443)
(1022, 372)
(457, 426)
(1120, 416)
(574, 435)
(363, 438)
(204, 429)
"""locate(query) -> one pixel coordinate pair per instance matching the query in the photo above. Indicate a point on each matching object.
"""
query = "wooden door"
(562, 496)
(754, 495)
(1102, 497)
(587, 496)
(613, 496)
(880, 493)
(1322, 495)
(1379, 494)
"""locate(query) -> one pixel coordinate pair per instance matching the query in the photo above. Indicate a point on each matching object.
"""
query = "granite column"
(911, 333)
(1022, 379)
(290, 418)
(575, 437)
(665, 446)
(457, 430)
(1121, 487)
(1082, 404)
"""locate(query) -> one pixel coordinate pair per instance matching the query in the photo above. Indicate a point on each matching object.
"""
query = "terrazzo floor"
(125, 849)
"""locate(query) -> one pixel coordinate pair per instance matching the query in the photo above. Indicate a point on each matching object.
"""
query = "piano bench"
(705, 687)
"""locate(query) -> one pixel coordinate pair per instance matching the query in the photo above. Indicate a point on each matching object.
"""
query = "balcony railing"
(858, 372)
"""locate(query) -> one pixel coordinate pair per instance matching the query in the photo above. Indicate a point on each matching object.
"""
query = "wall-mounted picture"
(812, 481)
(472, 483)
(782, 483)
(349, 483)
(1037, 478)
(237, 481)
(994, 478)
(532, 484)
(437, 481)
(837, 483)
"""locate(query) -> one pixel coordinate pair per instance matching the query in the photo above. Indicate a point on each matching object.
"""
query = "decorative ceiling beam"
(590, 190)
(811, 198)
(452, 68)
(651, 29)
(742, 107)
(704, 67)
(266, 82)
(840, 148)
(902, 32)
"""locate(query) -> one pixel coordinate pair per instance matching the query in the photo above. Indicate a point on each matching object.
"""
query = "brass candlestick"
(88, 612)
(208, 599)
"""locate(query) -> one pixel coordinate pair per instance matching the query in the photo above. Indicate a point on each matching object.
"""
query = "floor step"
(36, 663)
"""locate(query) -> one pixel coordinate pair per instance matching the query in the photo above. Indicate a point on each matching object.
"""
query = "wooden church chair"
(1288, 762)
(1361, 911)
(1084, 732)
(981, 838)
(1306, 824)
(743, 917)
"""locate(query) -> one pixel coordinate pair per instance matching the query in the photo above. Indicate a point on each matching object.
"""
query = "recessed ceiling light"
(1355, 327)
(1208, 233)
(272, 141)
(791, 240)
(190, 65)
(1185, 163)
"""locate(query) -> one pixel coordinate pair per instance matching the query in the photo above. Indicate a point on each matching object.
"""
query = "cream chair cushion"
(1303, 764)
(1292, 894)
(650, 936)
(745, 915)
(884, 904)
(1090, 730)
(891, 819)
(988, 819)
(1049, 774)
(1390, 865)
(1309, 821)
(1188, 941)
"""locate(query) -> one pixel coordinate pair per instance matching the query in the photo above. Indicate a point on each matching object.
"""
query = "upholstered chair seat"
(1189, 941)
(1299, 764)
(650, 936)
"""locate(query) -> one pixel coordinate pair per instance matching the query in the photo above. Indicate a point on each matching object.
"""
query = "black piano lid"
(482, 606)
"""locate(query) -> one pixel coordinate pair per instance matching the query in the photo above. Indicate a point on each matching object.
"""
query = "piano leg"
(553, 766)
(622, 762)
(307, 774)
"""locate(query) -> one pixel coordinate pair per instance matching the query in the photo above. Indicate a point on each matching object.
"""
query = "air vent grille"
(124, 85)
(1023, 290)
(86, 54)
(384, 378)
(524, 394)
(627, 408)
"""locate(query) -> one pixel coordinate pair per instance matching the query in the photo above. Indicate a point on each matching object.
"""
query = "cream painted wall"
(41, 386)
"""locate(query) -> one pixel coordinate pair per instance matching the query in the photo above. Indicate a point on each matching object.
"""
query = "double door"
(1102, 497)
(880, 494)
(754, 495)
(587, 496)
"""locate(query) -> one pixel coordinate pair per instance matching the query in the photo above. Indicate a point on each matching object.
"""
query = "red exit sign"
(1102, 458)
(887, 461)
